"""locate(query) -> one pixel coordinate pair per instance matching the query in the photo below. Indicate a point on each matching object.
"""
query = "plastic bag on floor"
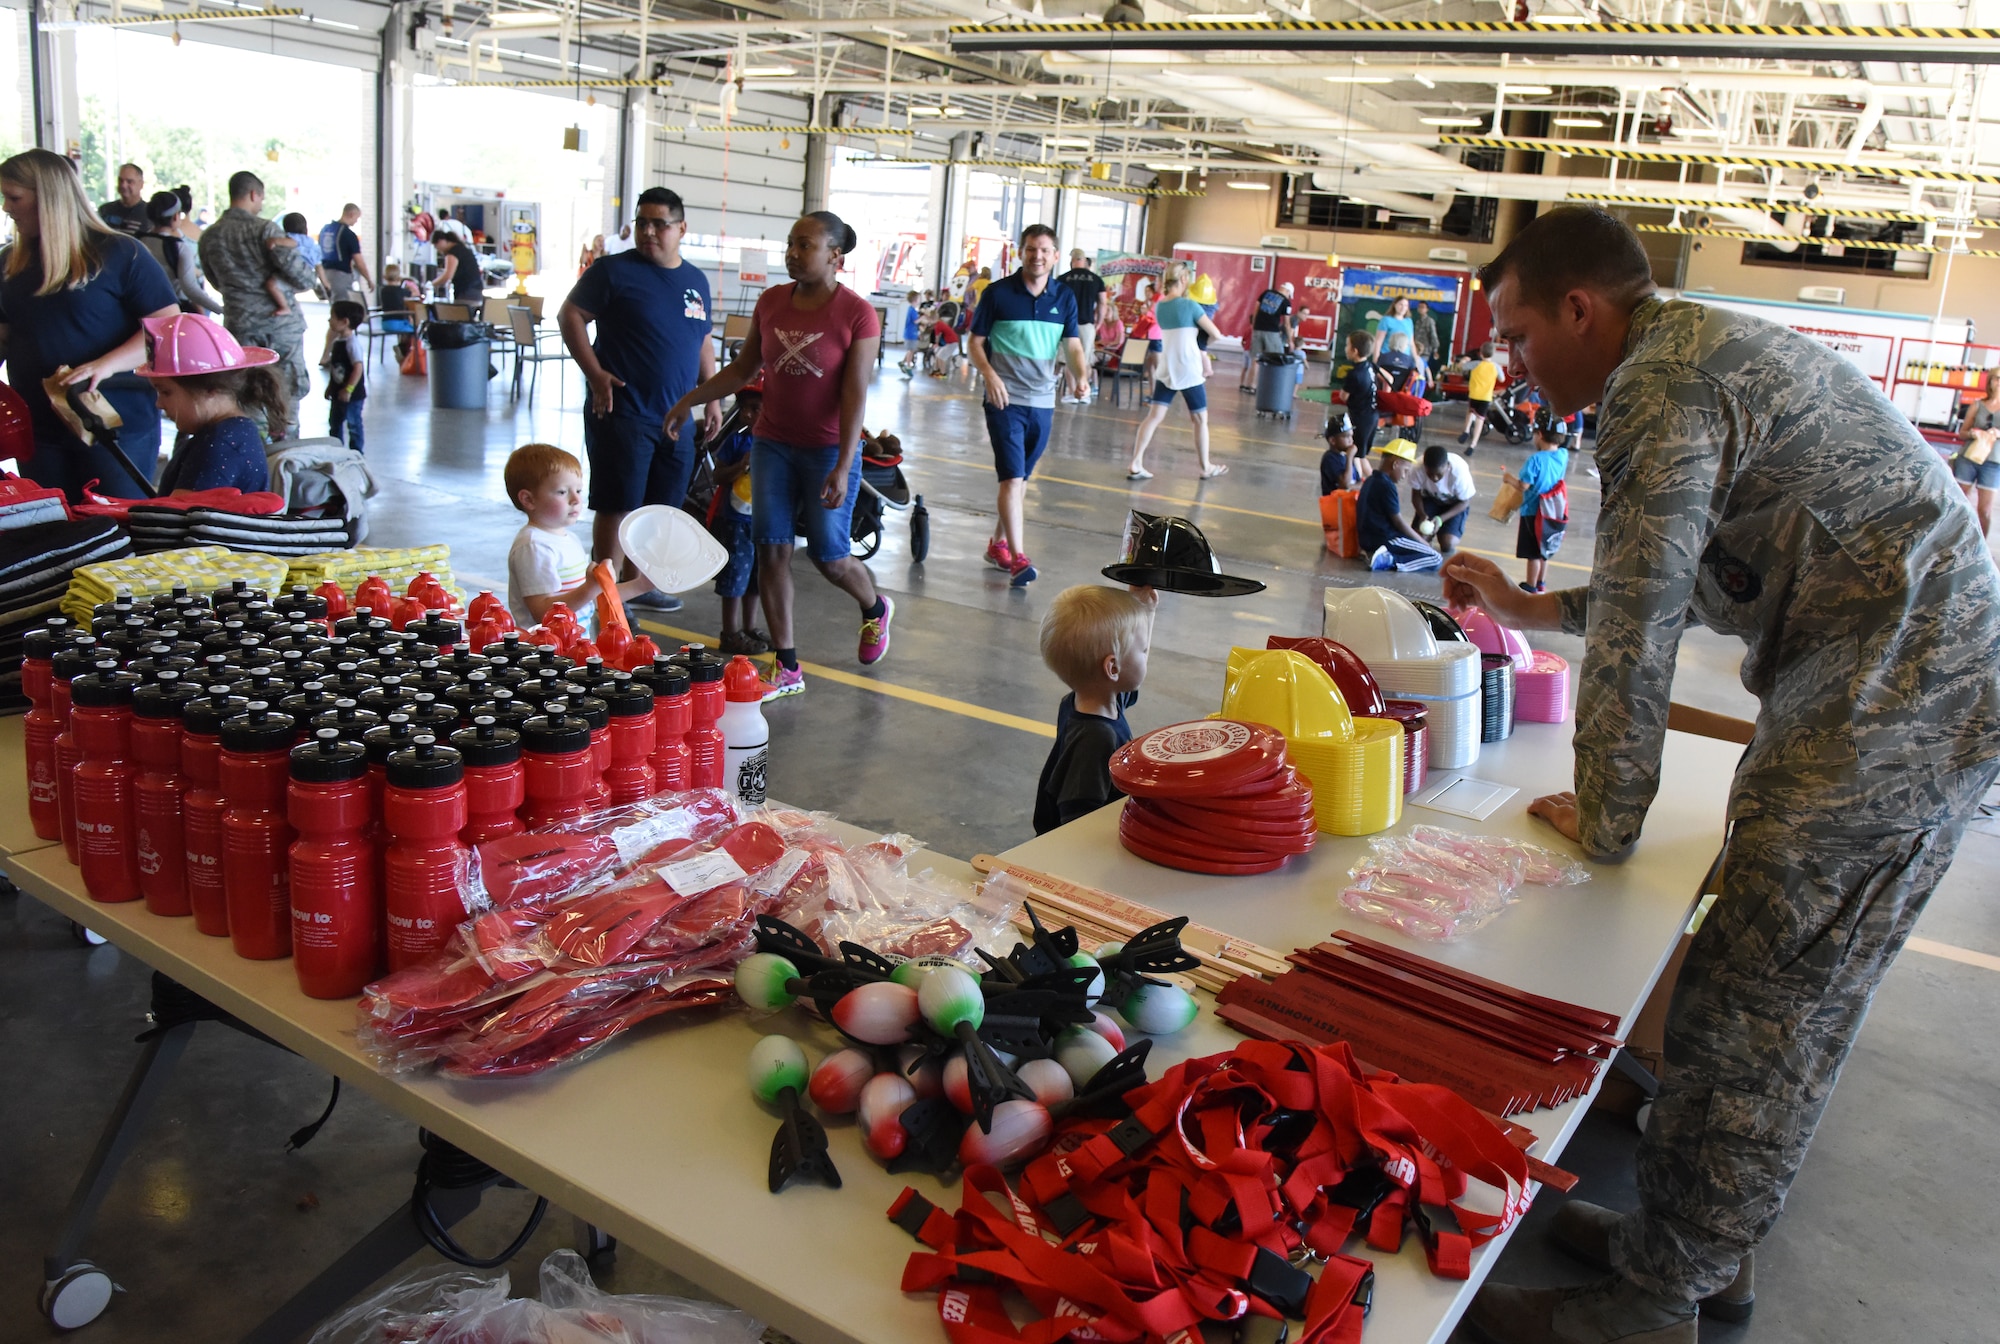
(1436, 884)
(458, 1306)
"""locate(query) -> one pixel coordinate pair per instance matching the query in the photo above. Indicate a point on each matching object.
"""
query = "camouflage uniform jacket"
(236, 259)
(1758, 484)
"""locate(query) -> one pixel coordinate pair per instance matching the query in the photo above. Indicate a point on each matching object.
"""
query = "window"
(1845, 260)
(1468, 219)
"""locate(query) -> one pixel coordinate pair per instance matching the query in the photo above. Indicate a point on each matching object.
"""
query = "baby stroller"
(1507, 417)
(883, 486)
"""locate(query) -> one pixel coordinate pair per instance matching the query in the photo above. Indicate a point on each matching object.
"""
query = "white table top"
(1601, 944)
(658, 1141)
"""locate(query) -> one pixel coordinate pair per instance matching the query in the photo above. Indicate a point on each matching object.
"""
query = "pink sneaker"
(875, 633)
(998, 556)
(789, 681)
(1023, 570)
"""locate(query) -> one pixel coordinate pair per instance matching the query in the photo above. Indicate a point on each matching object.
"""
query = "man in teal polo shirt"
(1023, 333)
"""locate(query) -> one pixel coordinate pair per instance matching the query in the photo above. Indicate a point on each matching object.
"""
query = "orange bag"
(416, 362)
(1337, 516)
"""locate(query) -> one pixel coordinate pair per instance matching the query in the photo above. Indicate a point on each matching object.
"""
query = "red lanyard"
(1197, 1207)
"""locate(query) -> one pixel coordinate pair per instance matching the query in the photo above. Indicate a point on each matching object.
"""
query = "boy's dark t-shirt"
(1380, 504)
(1076, 779)
(340, 366)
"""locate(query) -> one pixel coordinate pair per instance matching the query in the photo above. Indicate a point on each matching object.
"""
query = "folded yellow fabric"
(397, 565)
(202, 568)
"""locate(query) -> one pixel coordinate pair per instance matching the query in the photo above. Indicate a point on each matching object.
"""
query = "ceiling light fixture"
(1357, 79)
(1695, 130)
(1067, 142)
(925, 110)
(766, 71)
(1589, 123)
(1526, 90)
(1423, 79)
(1248, 186)
(1452, 121)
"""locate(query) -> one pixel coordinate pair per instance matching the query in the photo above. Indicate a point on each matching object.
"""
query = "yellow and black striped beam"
(1810, 208)
(1602, 149)
(1791, 42)
(1865, 244)
(743, 127)
(195, 16)
(559, 84)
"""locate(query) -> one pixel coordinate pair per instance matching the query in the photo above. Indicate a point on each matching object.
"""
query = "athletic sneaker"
(1466, 437)
(875, 633)
(1023, 570)
(789, 681)
(655, 601)
(998, 555)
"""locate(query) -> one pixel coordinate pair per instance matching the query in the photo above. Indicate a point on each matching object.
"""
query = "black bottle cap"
(590, 674)
(259, 728)
(702, 663)
(487, 743)
(425, 765)
(302, 601)
(431, 714)
(164, 697)
(75, 660)
(436, 629)
(346, 718)
(589, 708)
(388, 737)
(43, 641)
(625, 695)
(555, 734)
(103, 687)
(308, 700)
(505, 710)
(666, 676)
(328, 759)
(204, 715)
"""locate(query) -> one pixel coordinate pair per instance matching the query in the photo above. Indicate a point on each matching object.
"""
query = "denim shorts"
(1196, 397)
(738, 577)
(1985, 475)
(784, 499)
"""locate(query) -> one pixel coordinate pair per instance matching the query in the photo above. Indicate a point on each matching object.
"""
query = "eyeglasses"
(642, 224)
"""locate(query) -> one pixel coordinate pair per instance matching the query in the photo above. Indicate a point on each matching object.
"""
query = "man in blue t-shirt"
(1023, 333)
(340, 257)
(654, 344)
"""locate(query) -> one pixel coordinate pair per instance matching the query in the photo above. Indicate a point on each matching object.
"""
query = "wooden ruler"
(1219, 951)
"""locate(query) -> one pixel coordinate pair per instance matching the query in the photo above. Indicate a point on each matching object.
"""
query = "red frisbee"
(1237, 829)
(1203, 757)
(1196, 837)
(1167, 857)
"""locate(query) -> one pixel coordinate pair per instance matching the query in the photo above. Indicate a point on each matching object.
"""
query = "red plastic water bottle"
(39, 727)
(201, 804)
(67, 665)
(156, 751)
(106, 839)
(495, 785)
(630, 704)
(424, 809)
(673, 715)
(557, 770)
(704, 739)
(597, 714)
(337, 930)
(256, 837)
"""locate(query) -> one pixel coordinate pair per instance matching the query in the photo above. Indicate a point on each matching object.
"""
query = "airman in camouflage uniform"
(236, 255)
(1758, 484)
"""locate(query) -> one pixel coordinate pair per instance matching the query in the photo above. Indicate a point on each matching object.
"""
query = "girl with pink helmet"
(208, 385)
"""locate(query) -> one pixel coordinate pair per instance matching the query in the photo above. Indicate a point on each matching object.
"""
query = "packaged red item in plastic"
(541, 866)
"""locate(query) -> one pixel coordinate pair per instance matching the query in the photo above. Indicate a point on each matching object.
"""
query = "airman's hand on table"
(1559, 811)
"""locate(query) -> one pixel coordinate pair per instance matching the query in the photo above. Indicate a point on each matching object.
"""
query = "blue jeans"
(785, 482)
(343, 421)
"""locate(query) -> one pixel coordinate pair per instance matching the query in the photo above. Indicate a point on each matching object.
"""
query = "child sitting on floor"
(1386, 539)
(547, 563)
(1095, 639)
(1340, 466)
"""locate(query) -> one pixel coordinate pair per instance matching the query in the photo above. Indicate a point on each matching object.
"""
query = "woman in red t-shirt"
(815, 340)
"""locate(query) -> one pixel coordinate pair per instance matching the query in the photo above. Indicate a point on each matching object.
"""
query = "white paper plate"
(1453, 671)
(670, 548)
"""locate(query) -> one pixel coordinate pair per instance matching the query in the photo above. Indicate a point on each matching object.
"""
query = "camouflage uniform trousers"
(285, 334)
(1768, 1005)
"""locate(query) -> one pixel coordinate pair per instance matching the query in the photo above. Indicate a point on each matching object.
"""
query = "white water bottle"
(746, 736)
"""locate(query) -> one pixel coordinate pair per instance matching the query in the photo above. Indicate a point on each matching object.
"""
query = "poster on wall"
(1366, 294)
(1133, 282)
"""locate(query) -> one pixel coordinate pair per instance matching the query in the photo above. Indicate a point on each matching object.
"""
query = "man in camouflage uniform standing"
(237, 254)
(1757, 483)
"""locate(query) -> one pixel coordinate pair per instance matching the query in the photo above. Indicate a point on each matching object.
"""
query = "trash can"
(1278, 378)
(460, 363)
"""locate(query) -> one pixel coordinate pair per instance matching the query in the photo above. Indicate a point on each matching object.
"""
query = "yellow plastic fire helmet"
(1203, 289)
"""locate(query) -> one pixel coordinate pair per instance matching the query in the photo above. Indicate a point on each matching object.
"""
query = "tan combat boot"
(1584, 1230)
(1610, 1311)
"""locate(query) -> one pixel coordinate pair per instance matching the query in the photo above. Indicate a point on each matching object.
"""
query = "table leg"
(392, 1241)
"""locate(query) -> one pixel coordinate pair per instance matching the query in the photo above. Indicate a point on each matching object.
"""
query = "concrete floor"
(213, 1224)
